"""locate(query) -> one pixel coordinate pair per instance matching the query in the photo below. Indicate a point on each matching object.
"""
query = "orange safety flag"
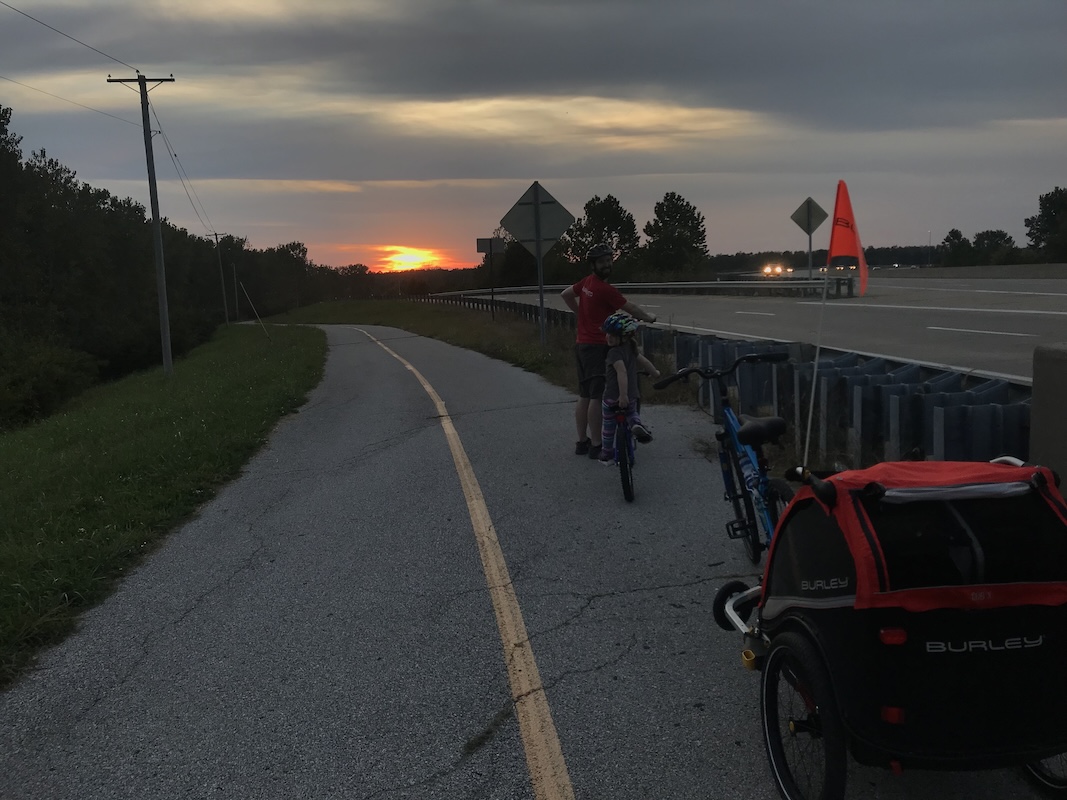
(844, 238)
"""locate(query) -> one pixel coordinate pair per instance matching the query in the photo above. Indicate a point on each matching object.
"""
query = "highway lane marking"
(972, 291)
(757, 313)
(968, 330)
(1031, 311)
(544, 755)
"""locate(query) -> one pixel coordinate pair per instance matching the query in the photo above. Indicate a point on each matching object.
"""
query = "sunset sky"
(394, 133)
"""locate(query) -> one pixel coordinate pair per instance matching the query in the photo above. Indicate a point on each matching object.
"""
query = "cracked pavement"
(322, 629)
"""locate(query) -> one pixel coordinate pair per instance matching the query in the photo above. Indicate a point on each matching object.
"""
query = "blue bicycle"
(757, 500)
(625, 449)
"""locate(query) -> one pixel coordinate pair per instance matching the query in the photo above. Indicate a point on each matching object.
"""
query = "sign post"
(488, 246)
(537, 221)
(809, 216)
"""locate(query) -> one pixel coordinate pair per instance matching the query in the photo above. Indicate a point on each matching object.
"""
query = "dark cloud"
(829, 65)
(903, 98)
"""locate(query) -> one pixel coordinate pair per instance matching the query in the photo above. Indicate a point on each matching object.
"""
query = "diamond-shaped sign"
(809, 216)
(537, 208)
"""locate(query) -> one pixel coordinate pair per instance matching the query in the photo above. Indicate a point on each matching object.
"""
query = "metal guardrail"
(867, 408)
(845, 285)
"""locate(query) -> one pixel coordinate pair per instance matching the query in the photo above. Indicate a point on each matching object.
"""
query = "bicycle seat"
(760, 430)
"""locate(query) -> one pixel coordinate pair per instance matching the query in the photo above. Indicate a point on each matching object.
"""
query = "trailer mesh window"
(967, 541)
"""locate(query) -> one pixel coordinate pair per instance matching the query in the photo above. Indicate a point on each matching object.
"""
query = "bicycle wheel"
(802, 729)
(624, 457)
(753, 546)
(1049, 774)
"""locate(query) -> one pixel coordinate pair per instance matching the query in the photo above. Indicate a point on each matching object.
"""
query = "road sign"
(491, 247)
(809, 216)
(537, 221)
(494, 245)
(537, 208)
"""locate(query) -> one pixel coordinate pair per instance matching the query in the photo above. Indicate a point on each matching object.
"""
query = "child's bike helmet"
(619, 323)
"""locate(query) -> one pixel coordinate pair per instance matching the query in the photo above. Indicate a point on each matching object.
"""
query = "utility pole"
(161, 275)
(222, 278)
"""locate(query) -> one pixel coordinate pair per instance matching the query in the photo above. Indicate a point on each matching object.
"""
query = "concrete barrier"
(1048, 420)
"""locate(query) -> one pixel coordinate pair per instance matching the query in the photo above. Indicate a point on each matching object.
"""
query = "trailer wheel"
(718, 605)
(1049, 774)
(802, 728)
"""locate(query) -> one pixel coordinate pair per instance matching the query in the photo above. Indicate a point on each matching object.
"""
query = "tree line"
(78, 300)
(675, 245)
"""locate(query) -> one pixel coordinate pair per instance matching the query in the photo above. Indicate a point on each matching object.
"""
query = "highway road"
(417, 590)
(989, 326)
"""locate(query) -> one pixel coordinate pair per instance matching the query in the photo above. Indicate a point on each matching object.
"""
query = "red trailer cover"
(906, 482)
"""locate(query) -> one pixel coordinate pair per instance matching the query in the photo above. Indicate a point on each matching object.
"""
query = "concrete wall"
(1048, 414)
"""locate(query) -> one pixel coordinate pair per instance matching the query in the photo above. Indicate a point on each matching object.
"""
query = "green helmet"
(619, 323)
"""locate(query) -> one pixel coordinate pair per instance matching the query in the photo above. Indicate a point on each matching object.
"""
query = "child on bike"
(620, 387)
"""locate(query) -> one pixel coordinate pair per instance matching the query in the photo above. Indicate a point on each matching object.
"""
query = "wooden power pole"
(161, 274)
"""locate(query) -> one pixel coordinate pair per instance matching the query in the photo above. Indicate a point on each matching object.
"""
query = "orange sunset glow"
(398, 258)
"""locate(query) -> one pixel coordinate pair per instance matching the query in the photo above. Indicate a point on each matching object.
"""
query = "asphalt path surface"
(323, 628)
(983, 325)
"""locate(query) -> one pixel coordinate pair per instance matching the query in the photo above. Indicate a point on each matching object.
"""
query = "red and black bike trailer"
(913, 614)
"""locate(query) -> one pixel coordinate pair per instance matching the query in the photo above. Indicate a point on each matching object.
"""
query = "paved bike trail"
(322, 628)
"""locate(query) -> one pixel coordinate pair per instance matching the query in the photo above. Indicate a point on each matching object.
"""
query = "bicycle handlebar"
(709, 374)
(824, 490)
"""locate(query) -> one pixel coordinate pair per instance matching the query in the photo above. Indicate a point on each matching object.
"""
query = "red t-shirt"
(597, 299)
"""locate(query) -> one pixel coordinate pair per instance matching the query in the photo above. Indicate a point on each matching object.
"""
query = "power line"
(72, 102)
(186, 181)
(79, 41)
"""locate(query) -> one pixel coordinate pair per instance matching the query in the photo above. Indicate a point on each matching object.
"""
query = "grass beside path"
(87, 492)
(509, 338)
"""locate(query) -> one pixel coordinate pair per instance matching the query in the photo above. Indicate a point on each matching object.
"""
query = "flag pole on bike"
(844, 246)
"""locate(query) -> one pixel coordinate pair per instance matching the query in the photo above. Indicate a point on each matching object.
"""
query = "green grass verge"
(508, 338)
(87, 492)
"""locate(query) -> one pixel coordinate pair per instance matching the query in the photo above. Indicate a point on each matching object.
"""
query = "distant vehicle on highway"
(776, 271)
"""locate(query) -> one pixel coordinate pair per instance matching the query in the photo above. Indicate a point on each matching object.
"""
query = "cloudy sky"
(373, 129)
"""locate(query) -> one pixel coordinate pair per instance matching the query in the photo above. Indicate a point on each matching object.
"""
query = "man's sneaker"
(641, 433)
(606, 457)
(594, 450)
(581, 448)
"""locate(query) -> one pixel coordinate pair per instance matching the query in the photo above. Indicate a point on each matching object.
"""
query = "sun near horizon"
(400, 258)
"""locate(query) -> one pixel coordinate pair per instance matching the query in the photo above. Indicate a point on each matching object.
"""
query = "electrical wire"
(72, 102)
(79, 41)
(183, 176)
(179, 168)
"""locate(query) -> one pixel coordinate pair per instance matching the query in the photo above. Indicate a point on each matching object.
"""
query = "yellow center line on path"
(544, 756)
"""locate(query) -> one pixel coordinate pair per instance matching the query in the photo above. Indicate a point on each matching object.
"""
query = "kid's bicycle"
(757, 500)
(624, 452)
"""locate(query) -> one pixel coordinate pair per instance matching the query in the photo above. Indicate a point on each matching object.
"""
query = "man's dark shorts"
(590, 359)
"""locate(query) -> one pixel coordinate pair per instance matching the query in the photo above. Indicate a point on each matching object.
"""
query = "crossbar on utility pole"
(161, 274)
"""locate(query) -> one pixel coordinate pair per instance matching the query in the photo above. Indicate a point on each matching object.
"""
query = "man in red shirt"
(592, 299)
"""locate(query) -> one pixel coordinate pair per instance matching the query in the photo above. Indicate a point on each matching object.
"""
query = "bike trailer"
(936, 594)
